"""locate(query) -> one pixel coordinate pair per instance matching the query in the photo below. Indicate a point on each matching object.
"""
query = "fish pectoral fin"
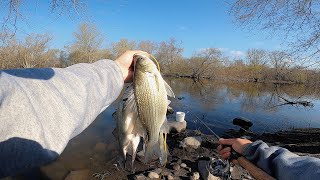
(168, 89)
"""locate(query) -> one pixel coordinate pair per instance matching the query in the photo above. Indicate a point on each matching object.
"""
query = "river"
(216, 103)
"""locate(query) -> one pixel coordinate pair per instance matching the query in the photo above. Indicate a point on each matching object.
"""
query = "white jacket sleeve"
(42, 109)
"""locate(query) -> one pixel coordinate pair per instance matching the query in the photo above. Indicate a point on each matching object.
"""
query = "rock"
(242, 122)
(176, 167)
(140, 154)
(179, 161)
(180, 98)
(78, 175)
(205, 174)
(158, 170)
(153, 175)
(195, 176)
(169, 177)
(175, 126)
(140, 177)
(237, 172)
(194, 142)
(166, 173)
(100, 147)
(183, 165)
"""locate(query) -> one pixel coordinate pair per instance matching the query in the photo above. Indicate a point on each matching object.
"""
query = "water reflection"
(220, 102)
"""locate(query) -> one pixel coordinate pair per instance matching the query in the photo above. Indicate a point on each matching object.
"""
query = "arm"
(42, 109)
(276, 161)
(281, 163)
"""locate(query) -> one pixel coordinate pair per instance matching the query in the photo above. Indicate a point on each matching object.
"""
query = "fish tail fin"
(151, 149)
(157, 148)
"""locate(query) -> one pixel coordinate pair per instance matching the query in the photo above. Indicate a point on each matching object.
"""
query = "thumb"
(226, 141)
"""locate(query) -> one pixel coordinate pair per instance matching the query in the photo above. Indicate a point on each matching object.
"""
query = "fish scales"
(151, 98)
(147, 97)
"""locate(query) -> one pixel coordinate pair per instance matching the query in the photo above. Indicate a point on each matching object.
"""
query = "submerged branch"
(297, 102)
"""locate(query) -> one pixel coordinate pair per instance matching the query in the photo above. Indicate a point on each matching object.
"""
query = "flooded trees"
(280, 62)
(204, 63)
(257, 59)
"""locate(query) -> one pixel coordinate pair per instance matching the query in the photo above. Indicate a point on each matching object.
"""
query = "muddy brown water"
(216, 103)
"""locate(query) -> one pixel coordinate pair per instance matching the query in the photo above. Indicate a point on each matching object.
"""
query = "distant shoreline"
(236, 80)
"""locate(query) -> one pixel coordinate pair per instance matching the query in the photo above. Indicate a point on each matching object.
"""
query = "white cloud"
(237, 53)
(182, 28)
(227, 52)
(232, 53)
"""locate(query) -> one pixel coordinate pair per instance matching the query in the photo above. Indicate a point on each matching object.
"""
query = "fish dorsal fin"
(129, 99)
(168, 89)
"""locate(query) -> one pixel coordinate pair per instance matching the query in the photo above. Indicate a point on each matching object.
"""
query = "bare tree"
(14, 11)
(32, 52)
(297, 21)
(87, 44)
(257, 59)
(122, 46)
(169, 52)
(204, 62)
(281, 63)
(148, 46)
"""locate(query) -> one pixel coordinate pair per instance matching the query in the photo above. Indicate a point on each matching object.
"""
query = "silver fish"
(127, 126)
(150, 93)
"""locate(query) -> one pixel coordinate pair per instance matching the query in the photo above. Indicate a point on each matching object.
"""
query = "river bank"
(183, 161)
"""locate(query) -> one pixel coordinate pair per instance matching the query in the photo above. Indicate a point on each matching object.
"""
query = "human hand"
(125, 62)
(237, 144)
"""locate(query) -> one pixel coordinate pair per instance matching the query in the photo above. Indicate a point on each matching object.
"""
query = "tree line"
(258, 65)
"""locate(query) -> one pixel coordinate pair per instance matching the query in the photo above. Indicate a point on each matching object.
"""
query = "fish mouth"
(139, 56)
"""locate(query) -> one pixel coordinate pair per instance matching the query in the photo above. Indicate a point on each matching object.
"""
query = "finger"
(226, 155)
(219, 148)
(226, 141)
(225, 150)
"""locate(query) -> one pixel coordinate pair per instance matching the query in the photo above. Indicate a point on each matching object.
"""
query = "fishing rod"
(255, 171)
